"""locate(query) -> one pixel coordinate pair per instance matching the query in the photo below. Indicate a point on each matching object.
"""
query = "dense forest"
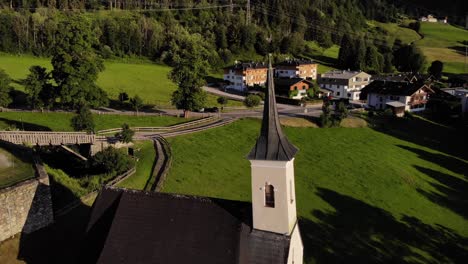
(155, 28)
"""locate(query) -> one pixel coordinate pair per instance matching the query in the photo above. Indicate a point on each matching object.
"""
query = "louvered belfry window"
(269, 195)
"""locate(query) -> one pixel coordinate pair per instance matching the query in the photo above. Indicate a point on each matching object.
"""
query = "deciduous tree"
(76, 65)
(189, 73)
(5, 89)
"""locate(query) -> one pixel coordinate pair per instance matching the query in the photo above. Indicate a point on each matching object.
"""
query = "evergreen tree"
(76, 66)
(436, 69)
(409, 58)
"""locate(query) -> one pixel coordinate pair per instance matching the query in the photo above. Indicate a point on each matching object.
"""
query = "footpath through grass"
(362, 195)
(62, 121)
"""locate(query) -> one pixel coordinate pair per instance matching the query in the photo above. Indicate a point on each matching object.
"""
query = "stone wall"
(26, 206)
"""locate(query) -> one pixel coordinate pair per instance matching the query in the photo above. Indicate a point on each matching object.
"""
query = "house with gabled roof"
(130, 226)
(344, 84)
(296, 68)
(242, 75)
(412, 96)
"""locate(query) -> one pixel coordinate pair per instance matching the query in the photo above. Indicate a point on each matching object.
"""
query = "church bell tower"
(272, 168)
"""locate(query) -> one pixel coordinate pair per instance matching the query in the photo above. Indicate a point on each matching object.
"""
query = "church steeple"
(272, 164)
(272, 144)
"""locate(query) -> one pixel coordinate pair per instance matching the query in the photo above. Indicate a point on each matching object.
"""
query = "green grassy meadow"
(14, 167)
(443, 42)
(394, 31)
(326, 58)
(62, 121)
(362, 195)
(149, 81)
(145, 155)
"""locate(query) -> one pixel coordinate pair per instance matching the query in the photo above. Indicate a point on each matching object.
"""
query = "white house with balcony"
(413, 96)
(344, 84)
(243, 75)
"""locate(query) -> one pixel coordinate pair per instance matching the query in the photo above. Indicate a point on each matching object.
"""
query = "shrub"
(222, 100)
(293, 93)
(126, 135)
(123, 96)
(111, 160)
(252, 100)
(83, 121)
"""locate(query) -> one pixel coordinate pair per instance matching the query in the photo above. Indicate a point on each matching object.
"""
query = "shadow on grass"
(360, 233)
(24, 125)
(419, 131)
(61, 241)
(453, 164)
(452, 192)
(458, 49)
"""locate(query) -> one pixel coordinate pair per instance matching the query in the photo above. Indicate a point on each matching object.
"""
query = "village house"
(429, 18)
(460, 93)
(131, 226)
(305, 69)
(344, 84)
(404, 77)
(400, 96)
(286, 86)
(243, 75)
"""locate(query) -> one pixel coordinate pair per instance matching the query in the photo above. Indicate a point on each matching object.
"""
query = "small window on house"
(349, 95)
(295, 87)
(269, 195)
(303, 87)
(337, 93)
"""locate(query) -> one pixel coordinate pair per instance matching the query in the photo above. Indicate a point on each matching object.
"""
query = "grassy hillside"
(444, 42)
(393, 31)
(149, 81)
(62, 121)
(326, 58)
(363, 196)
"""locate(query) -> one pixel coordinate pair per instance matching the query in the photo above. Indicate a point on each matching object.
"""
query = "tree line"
(145, 30)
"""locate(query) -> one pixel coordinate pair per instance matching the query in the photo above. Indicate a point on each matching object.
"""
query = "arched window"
(269, 195)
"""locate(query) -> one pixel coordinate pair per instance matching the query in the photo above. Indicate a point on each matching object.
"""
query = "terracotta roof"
(288, 82)
(129, 226)
(272, 144)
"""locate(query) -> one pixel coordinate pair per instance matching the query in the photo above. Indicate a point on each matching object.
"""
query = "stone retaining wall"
(26, 206)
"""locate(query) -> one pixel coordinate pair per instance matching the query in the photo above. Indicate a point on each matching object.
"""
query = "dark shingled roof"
(247, 65)
(295, 62)
(393, 88)
(140, 227)
(272, 144)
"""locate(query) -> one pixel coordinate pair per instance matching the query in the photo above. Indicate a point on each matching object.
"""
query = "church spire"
(272, 144)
